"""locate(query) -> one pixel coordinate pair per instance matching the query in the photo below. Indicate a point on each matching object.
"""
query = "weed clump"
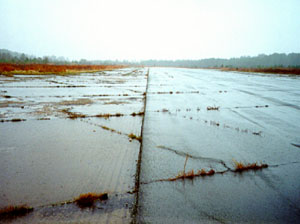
(14, 211)
(73, 115)
(110, 129)
(257, 133)
(105, 128)
(134, 137)
(89, 199)
(212, 108)
(109, 115)
(191, 174)
(13, 120)
(76, 115)
(137, 114)
(240, 167)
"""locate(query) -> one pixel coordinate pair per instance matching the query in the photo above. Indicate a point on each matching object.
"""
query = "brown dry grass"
(290, 71)
(43, 69)
(191, 174)
(89, 199)
(110, 129)
(14, 211)
(13, 120)
(137, 114)
(240, 167)
(134, 137)
(109, 115)
(73, 115)
(212, 108)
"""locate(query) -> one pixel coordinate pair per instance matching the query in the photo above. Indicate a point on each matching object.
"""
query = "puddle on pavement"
(79, 134)
(50, 158)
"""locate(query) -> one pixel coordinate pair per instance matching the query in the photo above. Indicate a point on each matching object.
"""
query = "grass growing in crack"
(191, 174)
(76, 115)
(110, 129)
(109, 115)
(89, 199)
(137, 114)
(13, 120)
(73, 115)
(257, 133)
(240, 167)
(14, 211)
(105, 128)
(134, 137)
(212, 108)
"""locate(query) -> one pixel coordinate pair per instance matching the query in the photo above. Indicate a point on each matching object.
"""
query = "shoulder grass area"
(281, 70)
(44, 69)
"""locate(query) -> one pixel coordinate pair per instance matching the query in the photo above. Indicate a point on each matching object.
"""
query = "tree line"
(260, 61)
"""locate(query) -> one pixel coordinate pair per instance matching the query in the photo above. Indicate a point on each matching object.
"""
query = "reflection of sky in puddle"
(53, 93)
(52, 161)
(56, 160)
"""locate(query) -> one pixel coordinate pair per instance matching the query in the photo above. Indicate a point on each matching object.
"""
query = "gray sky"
(150, 29)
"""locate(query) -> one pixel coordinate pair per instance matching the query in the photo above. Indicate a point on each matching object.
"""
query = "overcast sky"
(150, 29)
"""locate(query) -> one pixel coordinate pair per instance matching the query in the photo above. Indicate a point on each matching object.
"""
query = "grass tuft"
(73, 115)
(191, 174)
(14, 211)
(89, 199)
(134, 137)
(109, 115)
(137, 114)
(212, 108)
(240, 167)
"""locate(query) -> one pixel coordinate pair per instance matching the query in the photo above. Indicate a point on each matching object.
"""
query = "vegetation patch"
(82, 101)
(110, 129)
(13, 120)
(115, 102)
(191, 174)
(89, 199)
(44, 119)
(261, 106)
(214, 123)
(44, 69)
(73, 115)
(212, 108)
(240, 167)
(109, 115)
(14, 211)
(6, 96)
(137, 114)
(278, 70)
(134, 137)
(257, 133)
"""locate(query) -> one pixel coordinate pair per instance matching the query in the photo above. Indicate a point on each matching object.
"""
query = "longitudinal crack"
(138, 166)
(184, 154)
